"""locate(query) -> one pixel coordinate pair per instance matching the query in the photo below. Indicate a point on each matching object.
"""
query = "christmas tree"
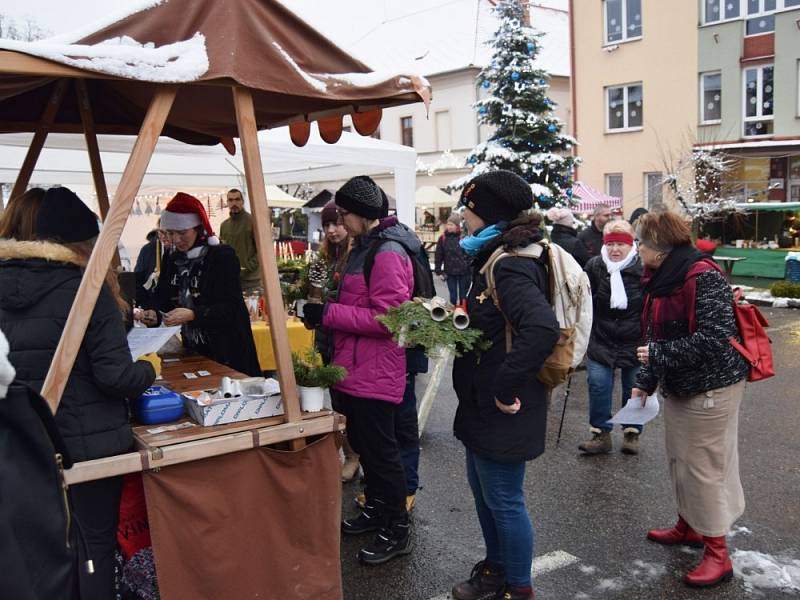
(527, 137)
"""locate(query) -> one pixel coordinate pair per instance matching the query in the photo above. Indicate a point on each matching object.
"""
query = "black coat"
(481, 376)
(220, 313)
(616, 333)
(38, 283)
(449, 257)
(592, 240)
(567, 238)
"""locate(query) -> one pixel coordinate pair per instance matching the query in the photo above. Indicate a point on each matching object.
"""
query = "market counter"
(760, 262)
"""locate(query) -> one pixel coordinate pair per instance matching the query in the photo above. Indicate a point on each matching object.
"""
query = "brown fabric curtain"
(259, 524)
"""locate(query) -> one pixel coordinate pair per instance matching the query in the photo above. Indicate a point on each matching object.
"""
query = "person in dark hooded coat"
(38, 284)
(502, 407)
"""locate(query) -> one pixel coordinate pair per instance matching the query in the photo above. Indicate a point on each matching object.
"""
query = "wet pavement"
(590, 514)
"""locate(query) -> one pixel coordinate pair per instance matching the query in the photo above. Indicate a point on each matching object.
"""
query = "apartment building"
(653, 79)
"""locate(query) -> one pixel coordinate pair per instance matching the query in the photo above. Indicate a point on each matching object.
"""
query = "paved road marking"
(551, 561)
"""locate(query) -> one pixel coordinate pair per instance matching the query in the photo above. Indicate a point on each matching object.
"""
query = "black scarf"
(672, 272)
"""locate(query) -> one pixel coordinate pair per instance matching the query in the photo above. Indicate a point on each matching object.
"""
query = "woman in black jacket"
(199, 289)
(452, 263)
(616, 333)
(38, 284)
(502, 407)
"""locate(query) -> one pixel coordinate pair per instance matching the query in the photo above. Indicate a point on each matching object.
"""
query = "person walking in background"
(565, 235)
(592, 237)
(502, 407)
(38, 284)
(237, 232)
(616, 333)
(689, 320)
(634, 218)
(452, 263)
(376, 365)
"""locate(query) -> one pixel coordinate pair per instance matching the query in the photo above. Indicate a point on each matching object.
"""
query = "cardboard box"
(232, 410)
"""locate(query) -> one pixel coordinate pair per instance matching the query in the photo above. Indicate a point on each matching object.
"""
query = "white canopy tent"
(64, 161)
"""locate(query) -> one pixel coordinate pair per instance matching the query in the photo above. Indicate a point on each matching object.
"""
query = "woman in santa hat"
(199, 289)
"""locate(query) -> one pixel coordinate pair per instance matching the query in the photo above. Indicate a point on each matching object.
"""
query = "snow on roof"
(109, 18)
(125, 57)
(447, 38)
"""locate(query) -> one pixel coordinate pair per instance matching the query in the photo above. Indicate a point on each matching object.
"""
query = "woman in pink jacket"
(376, 366)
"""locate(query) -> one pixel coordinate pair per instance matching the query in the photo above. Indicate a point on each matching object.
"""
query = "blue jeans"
(500, 504)
(601, 389)
(457, 286)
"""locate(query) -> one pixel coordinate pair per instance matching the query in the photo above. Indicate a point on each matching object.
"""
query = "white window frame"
(625, 38)
(703, 121)
(797, 87)
(624, 128)
(647, 200)
(780, 6)
(621, 183)
(759, 99)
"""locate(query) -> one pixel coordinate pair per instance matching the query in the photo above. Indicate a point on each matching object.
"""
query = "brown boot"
(630, 443)
(350, 466)
(599, 444)
(486, 578)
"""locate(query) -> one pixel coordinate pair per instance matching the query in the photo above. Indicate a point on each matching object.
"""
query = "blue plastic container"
(792, 272)
(158, 405)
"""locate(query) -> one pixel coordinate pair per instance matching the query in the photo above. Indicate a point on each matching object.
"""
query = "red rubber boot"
(715, 567)
(681, 533)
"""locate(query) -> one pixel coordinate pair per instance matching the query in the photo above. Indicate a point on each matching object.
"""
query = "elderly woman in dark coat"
(502, 407)
(38, 284)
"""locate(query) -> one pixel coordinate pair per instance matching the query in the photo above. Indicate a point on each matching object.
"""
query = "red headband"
(618, 236)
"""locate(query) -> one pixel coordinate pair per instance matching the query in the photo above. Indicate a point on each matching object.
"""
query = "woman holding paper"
(616, 332)
(38, 284)
(688, 322)
(199, 289)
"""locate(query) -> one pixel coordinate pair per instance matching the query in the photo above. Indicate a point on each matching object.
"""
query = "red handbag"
(755, 346)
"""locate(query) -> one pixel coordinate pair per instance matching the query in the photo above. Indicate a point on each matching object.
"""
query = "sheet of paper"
(633, 413)
(144, 340)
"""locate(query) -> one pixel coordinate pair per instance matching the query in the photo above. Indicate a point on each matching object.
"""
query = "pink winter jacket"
(376, 366)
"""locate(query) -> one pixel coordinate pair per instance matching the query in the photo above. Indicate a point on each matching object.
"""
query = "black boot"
(390, 542)
(515, 593)
(486, 578)
(371, 518)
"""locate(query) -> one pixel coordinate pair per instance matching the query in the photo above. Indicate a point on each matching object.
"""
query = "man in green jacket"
(237, 232)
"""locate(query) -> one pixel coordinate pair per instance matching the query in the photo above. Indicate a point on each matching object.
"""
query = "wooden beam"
(106, 245)
(262, 230)
(131, 462)
(92, 147)
(37, 143)
(17, 63)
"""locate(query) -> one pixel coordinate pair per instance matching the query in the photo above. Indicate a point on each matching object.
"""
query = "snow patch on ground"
(739, 531)
(588, 569)
(610, 585)
(762, 571)
(644, 570)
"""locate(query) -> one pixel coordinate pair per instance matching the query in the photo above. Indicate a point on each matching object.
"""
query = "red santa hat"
(184, 212)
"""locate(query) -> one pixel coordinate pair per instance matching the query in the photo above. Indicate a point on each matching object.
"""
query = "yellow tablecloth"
(300, 338)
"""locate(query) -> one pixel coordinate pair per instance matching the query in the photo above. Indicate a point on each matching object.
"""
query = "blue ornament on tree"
(569, 192)
(486, 84)
(531, 46)
(515, 76)
(542, 82)
(483, 110)
(552, 128)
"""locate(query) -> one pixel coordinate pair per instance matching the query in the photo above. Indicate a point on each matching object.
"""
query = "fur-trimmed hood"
(30, 270)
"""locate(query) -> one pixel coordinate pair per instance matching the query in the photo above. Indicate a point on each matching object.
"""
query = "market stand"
(206, 72)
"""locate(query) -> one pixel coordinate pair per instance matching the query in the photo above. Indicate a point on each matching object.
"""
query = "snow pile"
(125, 57)
(762, 571)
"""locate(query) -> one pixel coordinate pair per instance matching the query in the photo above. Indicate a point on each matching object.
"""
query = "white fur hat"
(7, 372)
(561, 216)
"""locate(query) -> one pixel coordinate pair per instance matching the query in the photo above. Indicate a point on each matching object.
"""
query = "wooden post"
(91, 146)
(262, 225)
(106, 245)
(37, 143)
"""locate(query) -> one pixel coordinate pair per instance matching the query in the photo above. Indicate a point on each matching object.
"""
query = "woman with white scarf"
(616, 333)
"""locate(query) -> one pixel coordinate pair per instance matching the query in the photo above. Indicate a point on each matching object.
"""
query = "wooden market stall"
(263, 523)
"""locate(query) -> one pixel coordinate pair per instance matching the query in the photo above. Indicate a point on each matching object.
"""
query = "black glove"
(312, 314)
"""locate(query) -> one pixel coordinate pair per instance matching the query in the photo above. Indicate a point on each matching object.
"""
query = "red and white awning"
(589, 197)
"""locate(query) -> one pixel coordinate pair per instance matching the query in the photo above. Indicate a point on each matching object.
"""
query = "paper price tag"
(190, 376)
(203, 373)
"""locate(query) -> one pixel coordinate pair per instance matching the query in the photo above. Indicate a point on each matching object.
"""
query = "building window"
(653, 188)
(758, 106)
(407, 131)
(443, 136)
(720, 10)
(623, 20)
(710, 98)
(614, 184)
(624, 107)
(760, 14)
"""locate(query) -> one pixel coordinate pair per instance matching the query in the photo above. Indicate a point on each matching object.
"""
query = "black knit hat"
(329, 214)
(63, 217)
(362, 196)
(497, 196)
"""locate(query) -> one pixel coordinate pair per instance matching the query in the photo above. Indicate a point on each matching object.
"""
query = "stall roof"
(588, 198)
(429, 196)
(768, 206)
(295, 73)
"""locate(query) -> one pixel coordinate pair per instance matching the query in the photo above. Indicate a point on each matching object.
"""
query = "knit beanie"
(63, 217)
(455, 219)
(561, 216)
(329, 213)
(362, 196)
(497, 196)
(7, 372)
(184, 212)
